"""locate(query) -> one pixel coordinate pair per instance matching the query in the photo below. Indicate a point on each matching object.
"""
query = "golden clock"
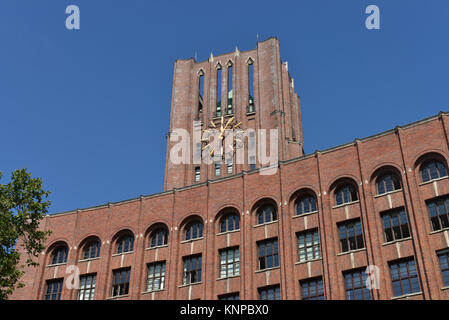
(222, 131)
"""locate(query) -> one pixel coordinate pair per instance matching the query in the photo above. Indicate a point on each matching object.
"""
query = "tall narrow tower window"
(201, 92)
(229, 109)
(250, 87)
(218, 110)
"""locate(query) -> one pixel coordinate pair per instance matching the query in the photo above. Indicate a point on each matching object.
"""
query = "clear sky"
(87, 110)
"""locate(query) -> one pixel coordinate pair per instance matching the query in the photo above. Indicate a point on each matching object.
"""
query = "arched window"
(433, 170)
(305, 204)
(345, 194)
(387, 183)
(92, 249)
(159, 237)
(59, 255)
(125, 243)
(266, 213)
(194, 230)
(230, 222)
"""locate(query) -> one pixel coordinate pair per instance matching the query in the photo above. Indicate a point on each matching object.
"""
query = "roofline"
(207, 182)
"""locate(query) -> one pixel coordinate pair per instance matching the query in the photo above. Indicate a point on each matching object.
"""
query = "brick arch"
(56, 242)
(255, 202)
(85, 240)
(52, 247)
(423, 159)
(190, 218)
(223, 213)
(113, 234)
(153, 227)
(85, 236)
(428, 155)
(225, 210)
(296, 195)
(122, 232)
(118, 235)
(341, 182)
(156, 225)
(261, 203)
(383, 168)
(337, 180)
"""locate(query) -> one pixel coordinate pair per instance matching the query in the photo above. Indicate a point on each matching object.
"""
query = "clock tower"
(243, 90)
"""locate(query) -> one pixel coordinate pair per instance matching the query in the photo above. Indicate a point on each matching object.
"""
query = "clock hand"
(237, 125)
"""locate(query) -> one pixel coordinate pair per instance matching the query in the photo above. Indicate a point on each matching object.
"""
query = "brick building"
(308, 231)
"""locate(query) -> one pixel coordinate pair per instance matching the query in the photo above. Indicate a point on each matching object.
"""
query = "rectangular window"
(87, 287)
(217, 169)
(355, 283)
(192, 269)
(308, 245)
(229, 262)
(229, 167)
(120, 282)
(54, 289)
(438, 212)
(268, 253)
(230, 296)
(312, 289)
(156, 276)
(443, 256)
(404, 277)
(351, 236)
(270, 293)
(395, 225)
(197, 174)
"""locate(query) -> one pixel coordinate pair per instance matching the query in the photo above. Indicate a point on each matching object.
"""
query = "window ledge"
(89, 259)
(433, 180)
(304, 214)
(267, 269)
(407, 295)
(229, 277)
(151, 291)
(266, 223)
(191, 240)
(394, 241)
(345, 204)
(56, 265)
(351, 251)
(226, 232)
(311, 260)
(189, 284)
(122, 253)
(387, 193)
(439, 231)
(157, 247)
(118, 297)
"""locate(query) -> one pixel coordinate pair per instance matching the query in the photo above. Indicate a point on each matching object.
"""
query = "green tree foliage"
(22, 207)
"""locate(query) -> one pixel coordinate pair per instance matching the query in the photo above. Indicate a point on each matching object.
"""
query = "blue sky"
(87, 110)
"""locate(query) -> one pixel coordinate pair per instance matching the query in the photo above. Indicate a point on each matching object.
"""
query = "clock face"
(227, 137)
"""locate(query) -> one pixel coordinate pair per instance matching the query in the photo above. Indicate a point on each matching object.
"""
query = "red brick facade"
(401, 152)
